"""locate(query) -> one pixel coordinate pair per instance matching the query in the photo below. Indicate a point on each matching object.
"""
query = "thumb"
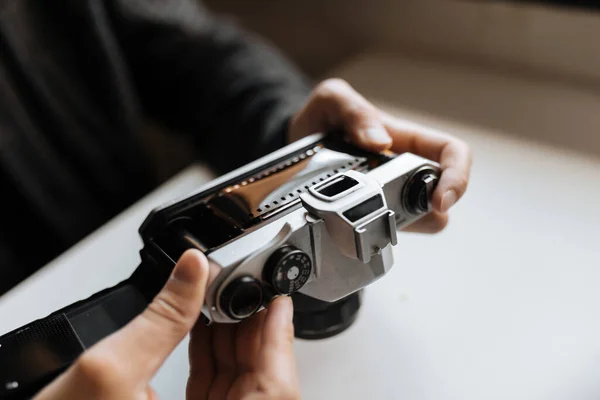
(143, 345)
(277, 351)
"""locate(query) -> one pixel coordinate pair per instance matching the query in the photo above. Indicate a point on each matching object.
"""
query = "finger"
(151, 394)
(248, 341)
(202, 363)
(225, 362)
(142, 346)
(277, 352)
(245, 387)
(433, 222)
(453, 155)
(335, 104)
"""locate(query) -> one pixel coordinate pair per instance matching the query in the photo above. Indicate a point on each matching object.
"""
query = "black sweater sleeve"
(205, 77)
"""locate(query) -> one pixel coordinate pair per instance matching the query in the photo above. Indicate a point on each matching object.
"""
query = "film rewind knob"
(418, 191)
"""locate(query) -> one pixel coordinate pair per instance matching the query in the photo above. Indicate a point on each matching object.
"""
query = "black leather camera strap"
(34, 354)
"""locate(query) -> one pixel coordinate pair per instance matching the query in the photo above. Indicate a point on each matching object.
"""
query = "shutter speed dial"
(287, 269)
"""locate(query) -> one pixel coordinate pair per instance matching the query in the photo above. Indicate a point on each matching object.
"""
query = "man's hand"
(251, 360)
(335, 105)
(254, 360)
(121, 365)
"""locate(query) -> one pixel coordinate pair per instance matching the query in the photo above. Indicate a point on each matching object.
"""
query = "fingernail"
(378, 135)
(184, 273)
(288, 308)
(186, 270)
(448, 200)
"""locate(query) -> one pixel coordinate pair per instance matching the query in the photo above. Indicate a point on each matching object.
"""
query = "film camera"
(316, 220)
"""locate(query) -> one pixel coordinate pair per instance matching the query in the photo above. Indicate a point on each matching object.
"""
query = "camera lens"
(315, 319)
(418, 191)
(242, 297)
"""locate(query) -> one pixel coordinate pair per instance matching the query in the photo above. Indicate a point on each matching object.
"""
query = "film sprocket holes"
(318, 218)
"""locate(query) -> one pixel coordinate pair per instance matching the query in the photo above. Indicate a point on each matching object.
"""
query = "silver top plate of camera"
(328, 232)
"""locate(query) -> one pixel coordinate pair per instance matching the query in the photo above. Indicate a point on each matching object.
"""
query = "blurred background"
(530, 68)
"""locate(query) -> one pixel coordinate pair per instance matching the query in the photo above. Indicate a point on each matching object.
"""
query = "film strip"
(281, 185)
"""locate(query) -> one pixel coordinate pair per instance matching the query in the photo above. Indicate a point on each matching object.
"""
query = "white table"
(504, 304)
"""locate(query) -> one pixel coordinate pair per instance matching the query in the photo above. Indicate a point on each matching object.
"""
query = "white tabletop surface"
(504, 304)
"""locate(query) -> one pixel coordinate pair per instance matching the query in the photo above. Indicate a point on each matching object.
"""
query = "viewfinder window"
(338, 186)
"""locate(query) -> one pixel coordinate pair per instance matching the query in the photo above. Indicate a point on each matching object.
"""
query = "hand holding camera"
(315, 220)
(253, 359)
(334, 104)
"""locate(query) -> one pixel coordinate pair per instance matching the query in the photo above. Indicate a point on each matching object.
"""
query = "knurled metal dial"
(287, 269)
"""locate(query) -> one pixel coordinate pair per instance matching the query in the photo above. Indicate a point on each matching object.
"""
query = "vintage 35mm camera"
(316, 220)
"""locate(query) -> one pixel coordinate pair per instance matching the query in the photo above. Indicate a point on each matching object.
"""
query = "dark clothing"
(79, 82)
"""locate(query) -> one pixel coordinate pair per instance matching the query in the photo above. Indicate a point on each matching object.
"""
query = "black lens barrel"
(315, 319)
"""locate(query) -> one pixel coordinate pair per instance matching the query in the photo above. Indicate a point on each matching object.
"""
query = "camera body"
(318, 217)
(316, 220)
